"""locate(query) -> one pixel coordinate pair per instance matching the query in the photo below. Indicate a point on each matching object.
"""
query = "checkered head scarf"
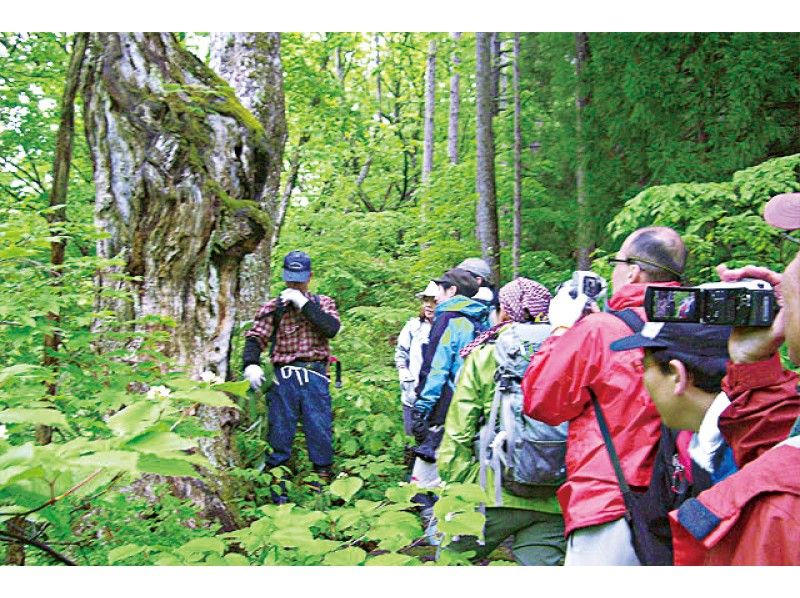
(524, 300)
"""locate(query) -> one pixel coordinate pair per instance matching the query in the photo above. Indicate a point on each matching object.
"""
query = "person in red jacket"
(753, 516)
(556, 389)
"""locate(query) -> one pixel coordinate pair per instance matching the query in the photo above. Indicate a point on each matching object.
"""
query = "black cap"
(296, 267)
(464, 282)
(701, 346)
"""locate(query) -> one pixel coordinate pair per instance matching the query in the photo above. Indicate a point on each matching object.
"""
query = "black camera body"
(587, 282)
(748, 302)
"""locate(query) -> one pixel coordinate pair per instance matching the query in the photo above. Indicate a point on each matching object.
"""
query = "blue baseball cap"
(702, 346)
(296, 267)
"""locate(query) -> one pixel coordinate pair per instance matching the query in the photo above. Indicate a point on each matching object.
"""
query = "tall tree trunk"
(251, 64)
(57, 215)
(486, 210)
(180, 167)
(581, 58)
(455, 104)
(494, 49)
(515, 250)
(502, 75)
(430, 102)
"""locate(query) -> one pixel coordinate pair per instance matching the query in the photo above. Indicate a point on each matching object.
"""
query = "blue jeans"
(300, 392)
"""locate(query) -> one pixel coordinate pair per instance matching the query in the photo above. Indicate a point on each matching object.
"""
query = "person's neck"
(696, 407)
(302, 287)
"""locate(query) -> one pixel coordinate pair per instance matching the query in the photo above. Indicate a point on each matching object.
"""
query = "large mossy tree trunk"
(179, 168)
(251, 64)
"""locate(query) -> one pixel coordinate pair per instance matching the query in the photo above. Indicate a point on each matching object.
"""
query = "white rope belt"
(287, 371)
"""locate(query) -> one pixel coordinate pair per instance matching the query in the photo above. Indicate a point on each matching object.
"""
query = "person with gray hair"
(487, 293)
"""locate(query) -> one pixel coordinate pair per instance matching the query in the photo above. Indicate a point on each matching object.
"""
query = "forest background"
(122, 444)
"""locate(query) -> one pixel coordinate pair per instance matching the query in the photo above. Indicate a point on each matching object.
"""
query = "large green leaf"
(389, 560)
(124, 552)
(172, 467)
(43, 417)
(345, 488)
(346, 557)
(209, 544)
(134, 418)
(160, 442)
(212, 398)
(11, 372)
(237, 388)
(123, 460)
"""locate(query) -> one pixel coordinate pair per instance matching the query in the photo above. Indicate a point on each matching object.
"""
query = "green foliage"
(720, 222)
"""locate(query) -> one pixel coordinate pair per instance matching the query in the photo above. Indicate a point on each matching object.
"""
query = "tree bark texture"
(455, 104)
(251, 64)
(515, 249)
(486, 209)
(494, 49)
(581, 58)
(180, 167)
(430, 103)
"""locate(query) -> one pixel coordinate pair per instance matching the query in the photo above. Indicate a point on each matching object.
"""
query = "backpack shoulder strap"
(630, 317)
(612, 452)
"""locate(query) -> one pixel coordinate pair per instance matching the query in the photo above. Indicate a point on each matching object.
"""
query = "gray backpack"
(527, 456)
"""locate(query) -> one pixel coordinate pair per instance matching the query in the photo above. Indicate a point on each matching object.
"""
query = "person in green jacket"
(536, 523)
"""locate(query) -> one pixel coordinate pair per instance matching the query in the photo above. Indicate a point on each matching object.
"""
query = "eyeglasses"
(633, 259)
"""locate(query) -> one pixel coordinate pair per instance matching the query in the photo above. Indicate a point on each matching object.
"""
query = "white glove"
(294, 296)
(406, 375)
(564, 311)
(255, 375)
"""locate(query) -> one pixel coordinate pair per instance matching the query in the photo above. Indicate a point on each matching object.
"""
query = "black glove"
(419, 425)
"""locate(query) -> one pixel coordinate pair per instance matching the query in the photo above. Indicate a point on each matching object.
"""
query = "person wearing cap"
(577, 358)
(300, 355)
(536, 523)
(486, 293)
(684, 364)
(408, 352)
(752, 517)
(457, 320)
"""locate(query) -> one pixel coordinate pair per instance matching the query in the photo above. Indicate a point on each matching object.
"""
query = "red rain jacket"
(753, 516)
(555, 391)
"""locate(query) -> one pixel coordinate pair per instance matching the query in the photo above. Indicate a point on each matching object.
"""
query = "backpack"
(647, 512)
(527, 456)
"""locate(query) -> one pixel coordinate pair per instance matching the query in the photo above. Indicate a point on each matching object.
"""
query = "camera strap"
(635, 323)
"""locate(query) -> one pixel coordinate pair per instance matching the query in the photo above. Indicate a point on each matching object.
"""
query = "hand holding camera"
(747, 298)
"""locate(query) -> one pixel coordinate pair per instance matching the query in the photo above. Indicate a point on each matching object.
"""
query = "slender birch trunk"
(430, 101)
(515, 251)
(581, 58)
(455, 103)
(486, 209)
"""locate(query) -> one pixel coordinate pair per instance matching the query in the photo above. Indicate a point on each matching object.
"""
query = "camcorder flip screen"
(591, 287)
(744, 303)
(675, 304)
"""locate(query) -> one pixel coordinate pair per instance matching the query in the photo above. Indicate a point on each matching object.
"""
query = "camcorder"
(587, 282)
(745, 303)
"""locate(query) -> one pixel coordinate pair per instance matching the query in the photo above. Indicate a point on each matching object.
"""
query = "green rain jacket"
(472, 401)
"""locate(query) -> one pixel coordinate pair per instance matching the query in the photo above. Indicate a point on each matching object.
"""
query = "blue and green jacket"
(456, 322)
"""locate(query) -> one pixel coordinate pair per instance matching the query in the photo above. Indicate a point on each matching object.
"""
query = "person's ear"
(679, 375)
(634, 272)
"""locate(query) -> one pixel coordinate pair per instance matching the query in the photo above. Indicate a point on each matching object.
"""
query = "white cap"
(430, 291)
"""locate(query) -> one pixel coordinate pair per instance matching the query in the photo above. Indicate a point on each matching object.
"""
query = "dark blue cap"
(296, 267)
(703, 346)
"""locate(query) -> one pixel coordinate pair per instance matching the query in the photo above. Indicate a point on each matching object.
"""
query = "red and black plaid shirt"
(297, 337)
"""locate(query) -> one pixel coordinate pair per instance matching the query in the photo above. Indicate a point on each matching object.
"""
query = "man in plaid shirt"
(300, 356)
